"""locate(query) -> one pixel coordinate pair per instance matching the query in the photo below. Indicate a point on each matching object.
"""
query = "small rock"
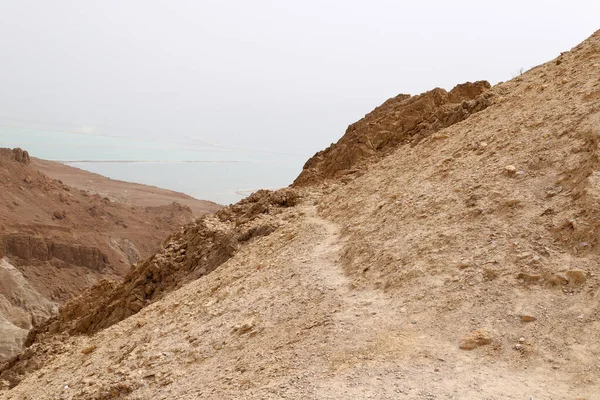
(510, 169)
(576, 276)
(89, 349)
(557, 279)
(521, 340)
(526, 317)
(511, 202)
(518, 347)
(529, 277)
(244, 327)
(59, 215)
(477, 338)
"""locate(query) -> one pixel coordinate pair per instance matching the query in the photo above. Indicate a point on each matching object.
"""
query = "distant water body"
(211, 173)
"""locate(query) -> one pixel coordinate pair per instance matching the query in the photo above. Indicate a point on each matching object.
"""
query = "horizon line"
(150, 161)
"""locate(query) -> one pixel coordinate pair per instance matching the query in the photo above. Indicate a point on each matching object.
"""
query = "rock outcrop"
(190, 253)
(35, 248)
(402, 119)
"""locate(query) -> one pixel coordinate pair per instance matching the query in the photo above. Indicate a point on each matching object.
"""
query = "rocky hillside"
(460, 260)
(56, 240)
(403, 119)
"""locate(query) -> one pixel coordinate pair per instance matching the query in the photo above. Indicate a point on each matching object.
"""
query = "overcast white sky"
(281, 75)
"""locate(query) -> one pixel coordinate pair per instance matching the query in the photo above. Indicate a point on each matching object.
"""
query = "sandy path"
(282, 320)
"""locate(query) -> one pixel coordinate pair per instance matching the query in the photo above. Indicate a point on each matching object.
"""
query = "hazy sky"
(285, 76)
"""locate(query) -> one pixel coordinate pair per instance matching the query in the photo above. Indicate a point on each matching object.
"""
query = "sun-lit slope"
(464, 265)
(403, 119)
(494, 223)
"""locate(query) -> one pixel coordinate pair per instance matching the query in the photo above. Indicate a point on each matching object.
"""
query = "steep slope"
(402, 119)
(56, 241)
(461, 264)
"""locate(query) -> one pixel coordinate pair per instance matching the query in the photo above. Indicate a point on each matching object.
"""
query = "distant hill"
(120, 191)
(57, 239)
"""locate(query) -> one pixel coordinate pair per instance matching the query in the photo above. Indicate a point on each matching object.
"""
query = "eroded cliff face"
(188, 254)
(402, 119)
(56, 241)
(21, 307)
(27, 249)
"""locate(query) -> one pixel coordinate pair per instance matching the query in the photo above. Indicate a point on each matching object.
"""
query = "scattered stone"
(510, 169)
(89, 349)
(529, 277)
(245, 327)
(557, 279)
(518, 347)
(527, 317)
(477, 338)
(576, 276)
(521, 340)
(511, 202)
(464, 265)
(59, 215)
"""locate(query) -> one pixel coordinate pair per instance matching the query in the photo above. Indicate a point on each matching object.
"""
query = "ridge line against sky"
(285, 77)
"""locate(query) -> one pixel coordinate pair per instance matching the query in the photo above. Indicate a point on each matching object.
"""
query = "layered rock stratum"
(56, 240)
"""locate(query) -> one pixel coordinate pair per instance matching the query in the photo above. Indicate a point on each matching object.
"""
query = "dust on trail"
(377, 349)
(295, 326)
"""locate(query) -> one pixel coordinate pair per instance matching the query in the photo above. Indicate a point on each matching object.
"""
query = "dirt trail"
(282, 319)
(363, 314)
(376, 349)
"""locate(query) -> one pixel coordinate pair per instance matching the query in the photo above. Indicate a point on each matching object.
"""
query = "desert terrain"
(446, 247)
(58, 239)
